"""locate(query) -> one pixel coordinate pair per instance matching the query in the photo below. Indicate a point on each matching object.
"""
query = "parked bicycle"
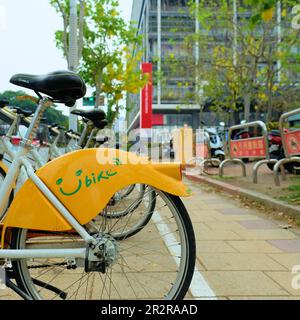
(49, 240)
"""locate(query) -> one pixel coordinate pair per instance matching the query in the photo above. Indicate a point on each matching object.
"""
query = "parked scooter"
(277, 152)
(216, 145)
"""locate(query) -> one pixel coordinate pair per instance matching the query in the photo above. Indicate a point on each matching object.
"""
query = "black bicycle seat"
(25, 113)
(97, 116)
(61, 86)
(3, 103)
(101, 124)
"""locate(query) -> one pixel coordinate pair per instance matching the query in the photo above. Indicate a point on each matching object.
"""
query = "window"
(178, 120)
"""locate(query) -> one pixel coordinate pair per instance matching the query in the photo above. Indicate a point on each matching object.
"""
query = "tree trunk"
(247, 105)
(98, 89)
(81, 27)
(257, 113)
(270, 109)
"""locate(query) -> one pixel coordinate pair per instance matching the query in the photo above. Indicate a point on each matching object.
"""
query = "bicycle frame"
(7, 187)
(71, 211)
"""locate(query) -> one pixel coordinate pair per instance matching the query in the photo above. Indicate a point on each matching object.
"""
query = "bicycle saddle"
(61, 86)
(97, 116)
(3, 103)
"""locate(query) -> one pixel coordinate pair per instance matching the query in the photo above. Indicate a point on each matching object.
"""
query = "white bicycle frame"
(19, 160)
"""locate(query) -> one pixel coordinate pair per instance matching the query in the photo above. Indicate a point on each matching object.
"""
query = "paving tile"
(259, 224)
(200, 228)
(242, 283)
(288, 260)
(224, 225)
(9, 295)
(239, 261)
(199, 216)
(218, 235)
(211, 200)
(235, 217)
(285, 280)
(286, 245)
(233, 210)
(253, 246)
(224, 206)
(266, 234)
(213, 246)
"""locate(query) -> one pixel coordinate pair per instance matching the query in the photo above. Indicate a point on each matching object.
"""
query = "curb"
(252, 195)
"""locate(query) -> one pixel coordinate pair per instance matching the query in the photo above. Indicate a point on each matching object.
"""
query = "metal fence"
(291, 145)
(251, 147)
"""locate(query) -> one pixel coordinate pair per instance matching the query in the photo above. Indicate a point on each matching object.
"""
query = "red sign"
(248, 148)
(292, 141)
(146, 99)
(158, 120)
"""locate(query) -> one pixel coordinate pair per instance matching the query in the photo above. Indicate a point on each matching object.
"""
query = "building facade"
(164, 25)
(157, 22)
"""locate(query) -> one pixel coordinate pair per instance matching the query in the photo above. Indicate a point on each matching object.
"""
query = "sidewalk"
(233, 176)
(241, 253)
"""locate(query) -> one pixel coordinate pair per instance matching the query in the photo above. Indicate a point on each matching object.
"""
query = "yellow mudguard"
(84, 181)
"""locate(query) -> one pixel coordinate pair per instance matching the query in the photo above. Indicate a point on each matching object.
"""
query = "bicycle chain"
(49, 265)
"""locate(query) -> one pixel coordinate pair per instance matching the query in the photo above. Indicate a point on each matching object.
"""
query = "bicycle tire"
(184, 269)
(141, 222)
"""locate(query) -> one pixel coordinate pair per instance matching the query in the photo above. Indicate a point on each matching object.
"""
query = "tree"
(22, 100)
(241, 60)
(62, 7)
(105, 41)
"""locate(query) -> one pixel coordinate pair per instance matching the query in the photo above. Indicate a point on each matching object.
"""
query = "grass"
(293, 192)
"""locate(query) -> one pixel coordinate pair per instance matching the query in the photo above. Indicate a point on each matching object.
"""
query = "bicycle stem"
(14, 126)
(94, 131)
(32, 130)
(83, 135)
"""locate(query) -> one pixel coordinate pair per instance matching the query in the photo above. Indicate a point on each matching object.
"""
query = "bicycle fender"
(84, 181)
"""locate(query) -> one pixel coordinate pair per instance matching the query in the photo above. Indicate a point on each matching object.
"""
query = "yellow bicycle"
(56, 238)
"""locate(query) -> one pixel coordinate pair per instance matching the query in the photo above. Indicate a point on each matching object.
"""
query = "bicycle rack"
(250, 148)
(206, 153)
(203, 151)
(291, 146)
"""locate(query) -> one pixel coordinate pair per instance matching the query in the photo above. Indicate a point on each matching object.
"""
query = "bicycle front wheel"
(156, 263)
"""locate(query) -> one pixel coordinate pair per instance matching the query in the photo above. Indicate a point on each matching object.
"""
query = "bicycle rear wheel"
(131, 213)
(156, 263)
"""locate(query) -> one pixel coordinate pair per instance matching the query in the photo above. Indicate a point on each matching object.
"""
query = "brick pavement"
(242, 253)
